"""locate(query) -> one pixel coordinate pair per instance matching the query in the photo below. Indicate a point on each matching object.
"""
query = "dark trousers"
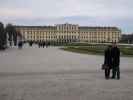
(107, 73)
(116, 71)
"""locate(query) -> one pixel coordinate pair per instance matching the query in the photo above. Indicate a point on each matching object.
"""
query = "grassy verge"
(97, 50)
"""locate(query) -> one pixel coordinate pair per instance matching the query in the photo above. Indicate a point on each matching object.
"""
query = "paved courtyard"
(52, 74)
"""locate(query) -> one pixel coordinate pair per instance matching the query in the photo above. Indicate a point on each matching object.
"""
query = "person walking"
(20, 44)
(107, 61)
(115, 61)
(43, 44)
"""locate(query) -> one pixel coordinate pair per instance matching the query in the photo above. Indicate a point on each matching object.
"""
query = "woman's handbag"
(104, 67)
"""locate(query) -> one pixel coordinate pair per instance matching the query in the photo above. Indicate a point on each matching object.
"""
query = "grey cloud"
(83, 12)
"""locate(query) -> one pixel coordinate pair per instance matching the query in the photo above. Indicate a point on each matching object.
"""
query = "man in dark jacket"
(115, 52)
(107, 61)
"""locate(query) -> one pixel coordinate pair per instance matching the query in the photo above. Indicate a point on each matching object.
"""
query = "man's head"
(114, 44)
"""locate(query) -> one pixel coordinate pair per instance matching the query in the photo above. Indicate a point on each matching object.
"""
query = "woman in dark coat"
(107, 61)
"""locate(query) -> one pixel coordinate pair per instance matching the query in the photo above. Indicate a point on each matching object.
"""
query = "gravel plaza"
(53, 74)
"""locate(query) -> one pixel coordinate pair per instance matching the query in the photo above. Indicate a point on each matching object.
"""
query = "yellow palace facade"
(67, 33)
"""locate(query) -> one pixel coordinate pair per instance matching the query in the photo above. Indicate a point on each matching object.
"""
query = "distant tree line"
(8, 35)
(127, 38)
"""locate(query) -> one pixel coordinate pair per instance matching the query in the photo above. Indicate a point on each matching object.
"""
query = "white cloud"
(19, 13)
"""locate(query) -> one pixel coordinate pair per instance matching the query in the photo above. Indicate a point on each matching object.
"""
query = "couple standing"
(112, 61)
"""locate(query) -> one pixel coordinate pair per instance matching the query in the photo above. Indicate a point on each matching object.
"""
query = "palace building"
(67, 33)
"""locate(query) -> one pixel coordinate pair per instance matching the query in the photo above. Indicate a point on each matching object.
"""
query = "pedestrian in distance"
(43, 44)
(20, 44)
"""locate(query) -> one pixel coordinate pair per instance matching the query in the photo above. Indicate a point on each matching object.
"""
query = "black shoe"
(112, 77)
(106, 78)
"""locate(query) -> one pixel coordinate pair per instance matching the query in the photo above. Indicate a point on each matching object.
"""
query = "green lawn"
(97, 50)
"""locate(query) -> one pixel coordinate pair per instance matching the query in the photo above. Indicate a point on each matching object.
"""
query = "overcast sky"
(83, 12)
